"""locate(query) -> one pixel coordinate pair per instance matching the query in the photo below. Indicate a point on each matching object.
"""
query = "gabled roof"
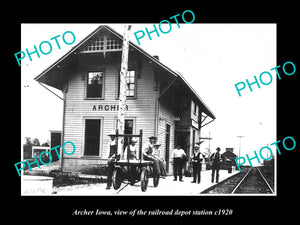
(49, 73)
(229, 154)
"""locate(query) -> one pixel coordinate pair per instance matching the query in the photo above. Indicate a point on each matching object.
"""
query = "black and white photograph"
(149, 109)
(171, 115)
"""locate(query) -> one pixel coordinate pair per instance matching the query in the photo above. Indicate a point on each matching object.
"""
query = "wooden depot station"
(159, 100)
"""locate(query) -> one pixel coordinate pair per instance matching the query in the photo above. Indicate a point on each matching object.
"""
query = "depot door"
(92, 137)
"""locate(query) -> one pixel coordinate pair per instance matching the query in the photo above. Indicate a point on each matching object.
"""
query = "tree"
(46, 144)
(28, 140)
(27, 148)
(36, 142)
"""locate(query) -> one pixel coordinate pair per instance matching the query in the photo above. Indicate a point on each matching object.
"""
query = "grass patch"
(62, 179)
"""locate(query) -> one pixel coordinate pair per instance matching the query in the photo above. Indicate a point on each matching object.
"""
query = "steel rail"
(236, 187)
(265, 181)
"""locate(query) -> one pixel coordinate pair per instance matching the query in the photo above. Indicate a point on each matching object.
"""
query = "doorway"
(92, 137)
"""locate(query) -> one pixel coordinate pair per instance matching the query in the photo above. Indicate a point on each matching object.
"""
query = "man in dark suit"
(216, 164)
(196, 163)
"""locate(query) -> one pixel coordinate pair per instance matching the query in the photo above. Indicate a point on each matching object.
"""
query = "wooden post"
(123, 84)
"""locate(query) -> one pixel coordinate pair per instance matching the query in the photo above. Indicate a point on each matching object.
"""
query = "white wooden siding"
(78, 108)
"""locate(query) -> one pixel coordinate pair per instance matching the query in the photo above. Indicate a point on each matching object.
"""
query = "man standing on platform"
(196, 162)
(179, 158)
(216, 164)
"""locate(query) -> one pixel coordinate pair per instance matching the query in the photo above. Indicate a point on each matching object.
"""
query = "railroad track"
(250, 181)
(253, 182)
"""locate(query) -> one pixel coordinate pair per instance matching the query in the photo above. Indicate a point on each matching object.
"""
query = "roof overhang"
(54, 76)
(54, 79)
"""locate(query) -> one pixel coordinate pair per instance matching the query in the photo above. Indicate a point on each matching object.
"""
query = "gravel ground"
(166, 187)
(253, 183)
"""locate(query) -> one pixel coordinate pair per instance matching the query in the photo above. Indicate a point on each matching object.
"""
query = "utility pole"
(209, 152)
(123, 84)
(240, 137)
(207, 138)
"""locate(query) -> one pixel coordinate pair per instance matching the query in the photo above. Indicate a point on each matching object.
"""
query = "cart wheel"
(155, 180)
(117, 178)
(144, 179)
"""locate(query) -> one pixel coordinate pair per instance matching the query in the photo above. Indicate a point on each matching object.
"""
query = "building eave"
(42, 78)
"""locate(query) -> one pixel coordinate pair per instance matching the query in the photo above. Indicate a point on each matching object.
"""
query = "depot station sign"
(107, 107)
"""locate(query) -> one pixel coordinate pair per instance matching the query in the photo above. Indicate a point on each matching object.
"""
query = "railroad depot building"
(159, 100)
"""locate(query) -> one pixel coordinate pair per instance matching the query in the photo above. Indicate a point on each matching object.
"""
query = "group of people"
(151, 152)
(179, 159)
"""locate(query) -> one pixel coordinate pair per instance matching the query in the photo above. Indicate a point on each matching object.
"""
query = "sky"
(211, 57)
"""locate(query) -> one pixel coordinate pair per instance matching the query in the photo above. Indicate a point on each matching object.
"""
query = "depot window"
(129, 128)
(103, 44)
(194, 108)
(130, 84)
(94, 87)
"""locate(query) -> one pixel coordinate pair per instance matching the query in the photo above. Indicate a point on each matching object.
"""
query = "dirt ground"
(166, 187)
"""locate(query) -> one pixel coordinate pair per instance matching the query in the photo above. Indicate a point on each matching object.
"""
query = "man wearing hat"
(113, 155)
(196, 163)
(148, 150)
(216, 164)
